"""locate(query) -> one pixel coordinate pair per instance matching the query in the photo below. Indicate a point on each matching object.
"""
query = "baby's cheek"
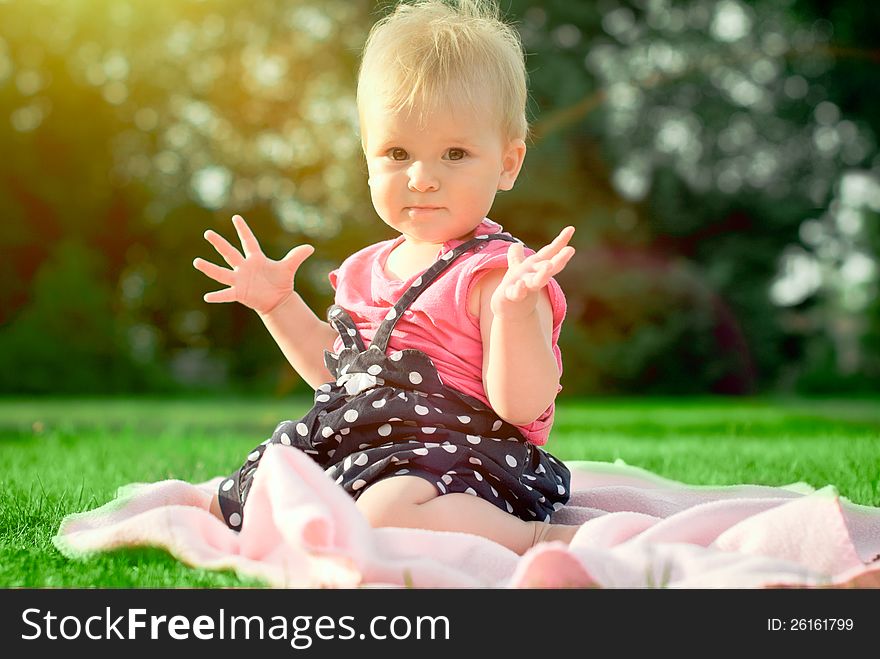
(379, 193)
(381, 183)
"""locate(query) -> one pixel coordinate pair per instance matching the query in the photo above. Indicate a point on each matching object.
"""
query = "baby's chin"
(431, 227)
(435, 235)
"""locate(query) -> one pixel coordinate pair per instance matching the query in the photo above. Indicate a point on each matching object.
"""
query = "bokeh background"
(719, 159)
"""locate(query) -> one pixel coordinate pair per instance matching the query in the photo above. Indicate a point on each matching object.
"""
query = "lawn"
(60, 456)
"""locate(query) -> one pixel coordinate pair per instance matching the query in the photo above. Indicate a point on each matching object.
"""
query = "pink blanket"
(636, 530)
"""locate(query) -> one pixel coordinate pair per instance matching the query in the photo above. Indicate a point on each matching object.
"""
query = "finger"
(231, 255)
(215, 272)
(559, 261)
(547, 269)
(248, 240)
(226, 295)
(295, 257)
(541, 275)
(557, 244)
(515, 254)
(535, 278)
(516, 292)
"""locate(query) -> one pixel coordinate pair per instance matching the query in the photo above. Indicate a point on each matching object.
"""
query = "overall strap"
(383, 334)
(343, 323)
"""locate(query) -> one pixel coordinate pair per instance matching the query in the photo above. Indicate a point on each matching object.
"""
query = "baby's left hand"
(517, 294)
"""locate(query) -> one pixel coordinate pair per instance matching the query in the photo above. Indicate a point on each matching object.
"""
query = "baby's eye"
(397, 153)
(456, 154)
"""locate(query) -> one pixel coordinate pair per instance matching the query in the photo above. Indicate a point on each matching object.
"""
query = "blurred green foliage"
(718, 158)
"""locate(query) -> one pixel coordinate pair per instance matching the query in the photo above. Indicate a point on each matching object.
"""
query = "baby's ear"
(511, 163)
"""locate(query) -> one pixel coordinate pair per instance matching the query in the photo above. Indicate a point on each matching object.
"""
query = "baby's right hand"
(255, 280)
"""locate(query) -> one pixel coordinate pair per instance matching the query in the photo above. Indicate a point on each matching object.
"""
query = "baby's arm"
(266, 286)
(520, 373)
(302, 337)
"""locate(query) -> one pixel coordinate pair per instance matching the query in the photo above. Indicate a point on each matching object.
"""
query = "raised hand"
(517, 294)
(255, 280)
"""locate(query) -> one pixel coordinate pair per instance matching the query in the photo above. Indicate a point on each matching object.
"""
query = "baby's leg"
(412, 502)
(215, 508)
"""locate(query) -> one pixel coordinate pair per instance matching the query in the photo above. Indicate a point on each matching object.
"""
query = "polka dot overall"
(390, 415)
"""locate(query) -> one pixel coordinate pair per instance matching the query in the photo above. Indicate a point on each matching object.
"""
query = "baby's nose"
(421, 179)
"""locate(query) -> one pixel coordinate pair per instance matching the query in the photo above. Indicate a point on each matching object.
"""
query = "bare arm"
(520, 373)
(302, 337)
(266, 286)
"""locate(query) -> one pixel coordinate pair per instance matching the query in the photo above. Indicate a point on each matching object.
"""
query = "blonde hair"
(428, 53)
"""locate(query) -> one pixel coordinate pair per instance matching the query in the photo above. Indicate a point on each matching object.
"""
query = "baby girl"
(436, 373)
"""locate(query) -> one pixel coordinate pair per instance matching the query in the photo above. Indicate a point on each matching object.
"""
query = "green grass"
(59, 456)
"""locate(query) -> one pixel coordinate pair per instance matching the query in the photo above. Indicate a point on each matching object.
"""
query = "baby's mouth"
(422, 210)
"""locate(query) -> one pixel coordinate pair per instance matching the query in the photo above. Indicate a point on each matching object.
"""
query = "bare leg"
(412, 502)
(215, 508)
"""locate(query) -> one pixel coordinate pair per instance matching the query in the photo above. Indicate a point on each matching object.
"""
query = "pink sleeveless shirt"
(438, 323)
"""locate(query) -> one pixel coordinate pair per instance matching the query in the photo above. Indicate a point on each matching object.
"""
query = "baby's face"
(436, 182)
